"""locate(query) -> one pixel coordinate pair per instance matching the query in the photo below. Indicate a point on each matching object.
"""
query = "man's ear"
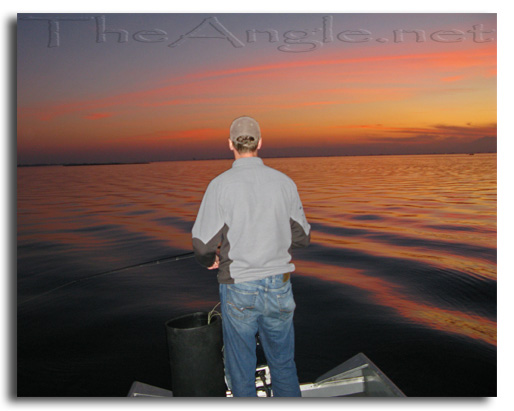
(259, 144)
(230, 145)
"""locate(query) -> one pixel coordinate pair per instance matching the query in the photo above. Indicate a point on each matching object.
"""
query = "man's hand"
(215, 264)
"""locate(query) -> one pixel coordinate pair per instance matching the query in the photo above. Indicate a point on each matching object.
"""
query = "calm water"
(402, 267)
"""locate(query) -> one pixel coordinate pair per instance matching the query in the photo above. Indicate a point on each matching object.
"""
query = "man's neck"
(237, 155)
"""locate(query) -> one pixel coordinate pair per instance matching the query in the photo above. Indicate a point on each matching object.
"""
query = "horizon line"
(78, 164)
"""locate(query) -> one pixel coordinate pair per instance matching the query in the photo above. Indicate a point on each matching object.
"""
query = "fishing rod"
(117, 270)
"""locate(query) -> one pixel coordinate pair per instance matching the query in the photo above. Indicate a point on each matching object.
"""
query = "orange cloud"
(452, 79)
(96, 116)
(454, 59)
(198, 134)
(235, 82)
(469, 130)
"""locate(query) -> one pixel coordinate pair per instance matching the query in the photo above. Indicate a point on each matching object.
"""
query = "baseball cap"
(245, 126)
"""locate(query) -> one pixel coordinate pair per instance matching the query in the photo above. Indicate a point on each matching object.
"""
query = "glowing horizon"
(154, 87)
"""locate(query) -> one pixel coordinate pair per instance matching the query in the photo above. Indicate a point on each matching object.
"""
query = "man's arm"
(300, 228)
(207, 230)
(206, 254)
(299, 237)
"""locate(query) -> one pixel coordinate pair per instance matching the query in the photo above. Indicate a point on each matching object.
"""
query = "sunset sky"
(151, 87)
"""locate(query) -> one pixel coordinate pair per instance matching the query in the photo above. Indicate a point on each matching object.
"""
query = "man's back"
(257, 215)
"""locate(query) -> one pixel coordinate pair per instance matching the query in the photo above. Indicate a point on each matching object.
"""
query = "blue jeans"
(265, 306)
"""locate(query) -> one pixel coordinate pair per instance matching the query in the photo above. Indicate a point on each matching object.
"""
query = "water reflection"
(397, 297)
(415, 235)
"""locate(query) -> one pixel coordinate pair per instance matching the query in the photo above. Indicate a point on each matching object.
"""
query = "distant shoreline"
(231, 158)
(82, 164)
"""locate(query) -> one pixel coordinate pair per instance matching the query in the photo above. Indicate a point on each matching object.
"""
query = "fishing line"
(117, 270)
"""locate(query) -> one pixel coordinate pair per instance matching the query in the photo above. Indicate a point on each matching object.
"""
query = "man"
(254, 214)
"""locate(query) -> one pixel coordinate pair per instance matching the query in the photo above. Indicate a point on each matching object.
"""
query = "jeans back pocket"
(240, 303)
(286, 302)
